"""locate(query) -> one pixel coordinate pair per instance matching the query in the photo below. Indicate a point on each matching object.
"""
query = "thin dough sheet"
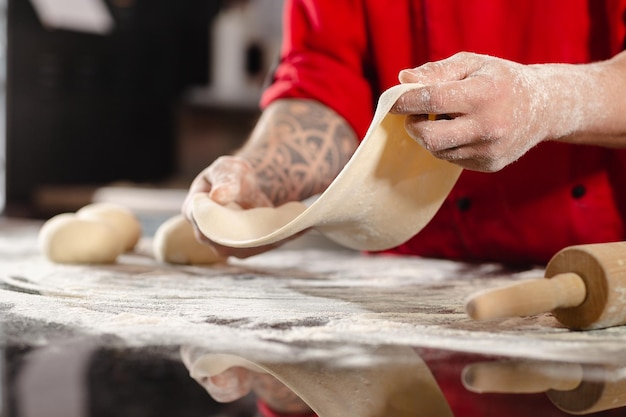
(388, 191)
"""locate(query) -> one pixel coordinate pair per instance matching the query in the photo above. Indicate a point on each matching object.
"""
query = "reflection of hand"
(230, 385)
(236, 382)
(277, 396)
(496, 109)
(230, 180)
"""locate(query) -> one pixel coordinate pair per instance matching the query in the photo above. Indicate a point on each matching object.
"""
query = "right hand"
(228, 180)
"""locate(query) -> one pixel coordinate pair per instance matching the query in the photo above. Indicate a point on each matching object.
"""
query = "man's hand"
(236, 382)
(490, 111)
(230, 180)
(296, 149)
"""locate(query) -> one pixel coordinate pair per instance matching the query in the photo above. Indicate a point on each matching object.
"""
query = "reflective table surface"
(309, 328)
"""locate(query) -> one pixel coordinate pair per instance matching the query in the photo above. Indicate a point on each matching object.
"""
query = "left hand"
(494, 110)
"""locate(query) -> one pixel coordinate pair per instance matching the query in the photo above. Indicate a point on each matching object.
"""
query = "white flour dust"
(288, 296)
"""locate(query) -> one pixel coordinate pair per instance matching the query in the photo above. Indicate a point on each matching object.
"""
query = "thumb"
(231, 385)
(455, 68)
(243, 191)
(225, 193)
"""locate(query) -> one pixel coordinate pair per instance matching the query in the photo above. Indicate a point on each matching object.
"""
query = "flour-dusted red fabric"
(346, 53)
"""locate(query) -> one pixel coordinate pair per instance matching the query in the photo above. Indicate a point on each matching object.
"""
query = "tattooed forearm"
(297, 149)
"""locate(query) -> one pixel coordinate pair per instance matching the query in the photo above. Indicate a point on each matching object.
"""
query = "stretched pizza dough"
(388, 191)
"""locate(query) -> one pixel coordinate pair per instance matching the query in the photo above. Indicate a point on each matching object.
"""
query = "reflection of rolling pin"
(520, 377)
(600, 389)
(574, 388)
(586, 289)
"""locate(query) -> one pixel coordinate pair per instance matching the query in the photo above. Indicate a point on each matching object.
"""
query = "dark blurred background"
(148, 101)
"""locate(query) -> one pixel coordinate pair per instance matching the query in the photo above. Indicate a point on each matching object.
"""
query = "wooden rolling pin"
(585, 289)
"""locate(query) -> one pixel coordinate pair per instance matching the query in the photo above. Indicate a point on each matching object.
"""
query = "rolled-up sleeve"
(322, 58)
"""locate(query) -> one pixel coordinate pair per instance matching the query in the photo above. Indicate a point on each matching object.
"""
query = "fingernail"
(407, 74)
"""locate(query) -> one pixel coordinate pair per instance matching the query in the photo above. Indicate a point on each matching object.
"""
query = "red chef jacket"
(345, 53)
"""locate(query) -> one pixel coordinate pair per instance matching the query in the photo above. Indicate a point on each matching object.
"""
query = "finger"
(225, 193)
(251, 195)
(200, 184)
(244, 192)
(230, 385)
(473, 158)
(460, 142)
(234, 181)
(440, 135)
(454, 68)
(259, 199)
(459, 97)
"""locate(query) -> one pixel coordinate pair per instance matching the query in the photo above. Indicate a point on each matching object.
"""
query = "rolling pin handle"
(529, 297)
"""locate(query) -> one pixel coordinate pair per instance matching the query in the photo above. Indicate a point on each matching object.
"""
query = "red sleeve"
(322, 58)
(265, 411)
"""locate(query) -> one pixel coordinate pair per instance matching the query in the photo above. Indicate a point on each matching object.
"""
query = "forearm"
(592, 101)
(297, 148)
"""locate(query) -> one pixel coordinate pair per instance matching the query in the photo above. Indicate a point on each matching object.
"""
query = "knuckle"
(427, 99)
(438, 148)
(433, 99)
(488, 161)
(461, 56)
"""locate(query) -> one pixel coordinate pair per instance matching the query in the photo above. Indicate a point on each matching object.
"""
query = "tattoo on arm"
(298, 148)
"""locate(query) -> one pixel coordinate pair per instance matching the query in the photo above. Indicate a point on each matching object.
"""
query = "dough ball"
(66, 238)
(120, 217)
(175, 242)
